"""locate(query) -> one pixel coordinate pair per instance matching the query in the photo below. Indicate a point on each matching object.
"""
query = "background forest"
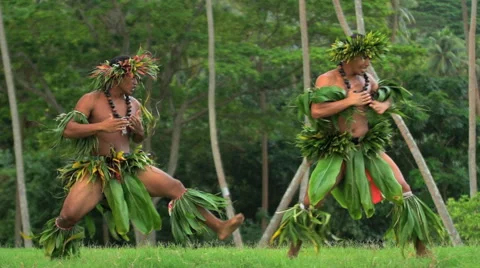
(55, 44)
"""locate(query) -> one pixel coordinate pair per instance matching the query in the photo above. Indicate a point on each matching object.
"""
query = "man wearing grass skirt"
(349, 127)
(105, 172)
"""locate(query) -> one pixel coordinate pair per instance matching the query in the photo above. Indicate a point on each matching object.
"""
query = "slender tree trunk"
(302, 11)
(18, 221)
(17, 138)
(286, 200)
(427, 176)
(466, 33)
(472, 136)
(359, 16)
(395, 7)
(175, 144)
(263, 107)
(213, 124)
(341, 17)
(264, 144)
(141, 239)
(150, 239)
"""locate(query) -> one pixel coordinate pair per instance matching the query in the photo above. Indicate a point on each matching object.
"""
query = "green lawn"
(448, 257)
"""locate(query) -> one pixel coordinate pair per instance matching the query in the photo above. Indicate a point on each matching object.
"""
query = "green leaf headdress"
(107, 75)
(372, 45)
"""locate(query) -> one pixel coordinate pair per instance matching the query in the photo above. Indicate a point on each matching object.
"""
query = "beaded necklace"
(114, 110)
(347, 82)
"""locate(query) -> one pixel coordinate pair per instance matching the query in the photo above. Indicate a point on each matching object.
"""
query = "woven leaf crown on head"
(108, 75)
(371, 45)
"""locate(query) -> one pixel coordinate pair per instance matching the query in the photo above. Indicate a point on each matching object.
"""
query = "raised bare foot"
(230, 226)
(421, 250)
(294, 249)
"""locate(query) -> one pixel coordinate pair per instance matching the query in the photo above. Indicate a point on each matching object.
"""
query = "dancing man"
(349, 116)
(99, 131)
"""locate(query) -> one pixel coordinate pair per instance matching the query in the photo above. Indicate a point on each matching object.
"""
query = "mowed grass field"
(207, 256)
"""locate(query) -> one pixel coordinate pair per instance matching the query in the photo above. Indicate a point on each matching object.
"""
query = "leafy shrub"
(465, 214)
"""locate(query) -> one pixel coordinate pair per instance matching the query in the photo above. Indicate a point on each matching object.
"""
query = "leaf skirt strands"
(302, 224)
(414, 220)
(185, 218)
(60, 243)
(127, 198)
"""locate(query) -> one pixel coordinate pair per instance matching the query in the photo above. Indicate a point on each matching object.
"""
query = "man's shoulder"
(134, 100)
(87, 101)
(327, 79)
(91, 95)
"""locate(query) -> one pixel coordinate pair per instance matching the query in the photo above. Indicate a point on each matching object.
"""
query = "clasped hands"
(133, 123)
(363, 98)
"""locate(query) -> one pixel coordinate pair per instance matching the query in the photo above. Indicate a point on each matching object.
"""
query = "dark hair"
(118, 59)
(356, 35)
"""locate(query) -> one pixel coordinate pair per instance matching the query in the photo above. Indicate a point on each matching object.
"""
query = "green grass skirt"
(302, 224)
(61, 243)
(186, 220)
(414, 220)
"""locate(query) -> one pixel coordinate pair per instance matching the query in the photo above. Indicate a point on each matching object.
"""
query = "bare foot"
(421, 250)
(294, 249)
(230, 226)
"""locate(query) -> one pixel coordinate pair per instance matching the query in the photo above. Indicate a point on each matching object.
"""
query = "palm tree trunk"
(286, 200)
(18, 222)
(213, 124)
(175, 144)
(263, 107)
(466, 33)
(472, 137)
(359, 16)
(306, 77)
(417, 155)
(141, 239)
(395, 7)
(17, 138)
(341, 17)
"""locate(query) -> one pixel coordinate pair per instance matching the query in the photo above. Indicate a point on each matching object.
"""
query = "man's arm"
(76, 130)
(326, 109)
(377, 106)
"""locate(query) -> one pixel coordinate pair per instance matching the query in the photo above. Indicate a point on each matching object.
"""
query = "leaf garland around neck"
(347, 82)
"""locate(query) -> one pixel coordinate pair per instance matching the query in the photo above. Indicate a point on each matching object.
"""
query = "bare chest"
(102, 109)
(356, 85)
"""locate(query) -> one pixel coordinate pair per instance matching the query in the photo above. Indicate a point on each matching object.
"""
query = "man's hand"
(380, 107)
(135, 123)
(112, 124)
(359, 98)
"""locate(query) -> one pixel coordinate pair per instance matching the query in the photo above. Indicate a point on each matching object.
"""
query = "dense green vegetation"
(55, 44)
